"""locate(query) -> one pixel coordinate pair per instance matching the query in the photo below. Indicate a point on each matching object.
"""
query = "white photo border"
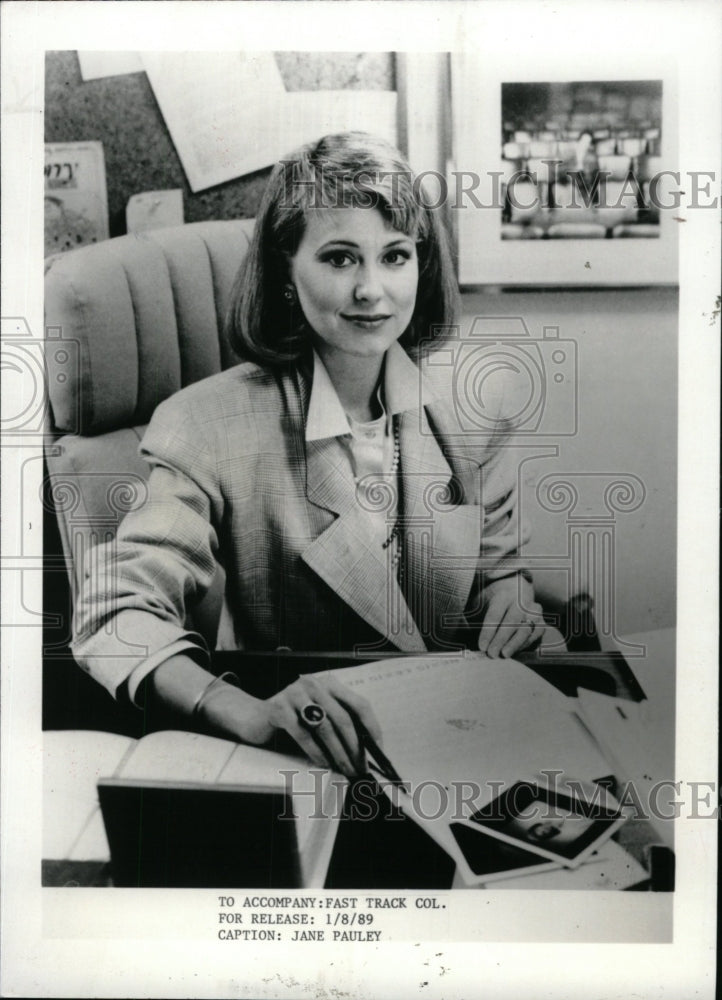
(136, 943)
(484, 257)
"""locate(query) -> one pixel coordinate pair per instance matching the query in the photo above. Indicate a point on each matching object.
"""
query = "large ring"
(312, 715)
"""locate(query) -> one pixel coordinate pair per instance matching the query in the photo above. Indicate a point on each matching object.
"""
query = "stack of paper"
(495, 764)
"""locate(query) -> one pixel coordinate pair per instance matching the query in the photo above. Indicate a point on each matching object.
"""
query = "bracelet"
(228, 677)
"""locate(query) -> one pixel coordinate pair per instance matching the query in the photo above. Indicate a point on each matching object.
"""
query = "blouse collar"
(405, 388)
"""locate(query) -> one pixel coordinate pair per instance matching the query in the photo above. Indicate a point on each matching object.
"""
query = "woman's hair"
(351, 169)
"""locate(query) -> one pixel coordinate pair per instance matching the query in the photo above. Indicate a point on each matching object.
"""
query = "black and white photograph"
(560, 825)
(586, 154)
(579, 151)
(359, 559)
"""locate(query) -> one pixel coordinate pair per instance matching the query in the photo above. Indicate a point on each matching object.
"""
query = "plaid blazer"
(234, 481)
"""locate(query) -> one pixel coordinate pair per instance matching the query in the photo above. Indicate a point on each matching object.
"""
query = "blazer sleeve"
(130, 614)
(505, 531)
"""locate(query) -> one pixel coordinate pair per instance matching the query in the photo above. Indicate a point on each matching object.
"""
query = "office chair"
(130, 320)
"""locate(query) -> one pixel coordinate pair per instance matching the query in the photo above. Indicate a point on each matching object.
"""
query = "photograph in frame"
(581, 157)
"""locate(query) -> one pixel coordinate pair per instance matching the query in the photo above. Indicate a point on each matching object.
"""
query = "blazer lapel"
(349, 555)
(442, 535)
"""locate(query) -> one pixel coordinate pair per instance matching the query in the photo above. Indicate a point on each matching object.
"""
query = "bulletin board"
(122, 113)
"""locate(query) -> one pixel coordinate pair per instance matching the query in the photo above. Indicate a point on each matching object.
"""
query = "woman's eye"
(339, 258)
(396, 257)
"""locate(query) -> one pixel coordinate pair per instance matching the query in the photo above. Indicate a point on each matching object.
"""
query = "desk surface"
(75, 846)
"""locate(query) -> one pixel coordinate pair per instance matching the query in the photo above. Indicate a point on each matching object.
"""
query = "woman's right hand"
(335, 742)
(234, 714)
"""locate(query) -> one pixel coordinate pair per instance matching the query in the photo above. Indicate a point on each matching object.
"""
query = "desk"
(75, 847)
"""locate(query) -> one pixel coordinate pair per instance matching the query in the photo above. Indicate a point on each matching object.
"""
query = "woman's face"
(557, 826)
(356, 279)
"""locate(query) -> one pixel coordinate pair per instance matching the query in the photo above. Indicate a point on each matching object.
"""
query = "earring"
(289, 294)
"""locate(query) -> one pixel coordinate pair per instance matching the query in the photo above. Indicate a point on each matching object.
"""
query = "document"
(95, 65)
(222, 110)
(229, 114)
(637, 740)
(471, 718)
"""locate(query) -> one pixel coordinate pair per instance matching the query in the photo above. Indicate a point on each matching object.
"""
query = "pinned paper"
(229, 114)
(95, 65)
(76, 198)
(309, 114)
(219, 109)
(154, 210)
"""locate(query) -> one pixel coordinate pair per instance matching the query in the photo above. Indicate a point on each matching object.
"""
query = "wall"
(626, 344)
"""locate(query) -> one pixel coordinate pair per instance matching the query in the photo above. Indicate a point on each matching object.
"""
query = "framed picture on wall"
(562, 174)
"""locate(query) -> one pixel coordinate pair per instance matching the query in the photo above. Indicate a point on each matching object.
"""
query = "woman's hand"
(334, 743)
(512, 619)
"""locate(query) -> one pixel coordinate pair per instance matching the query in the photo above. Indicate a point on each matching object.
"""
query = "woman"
(329, 471)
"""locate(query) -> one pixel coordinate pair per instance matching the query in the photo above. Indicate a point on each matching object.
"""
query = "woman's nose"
(369, 287)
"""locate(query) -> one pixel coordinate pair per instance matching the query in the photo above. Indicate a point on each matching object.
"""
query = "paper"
(308, 115)
(637, 739)
(459, 730)
(184, 758)
(154, 210)
(76, 198)
(221, 133)
(611, 868)
(469, 718)
(94, 65)
(73, 760)
(221, 109)
(169, 756)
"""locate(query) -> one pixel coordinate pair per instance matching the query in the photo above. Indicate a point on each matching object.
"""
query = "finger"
(340, 758)
(285, 709)
(338, 734)
(503, 634)
(358, 706)
(288, 720)
(538, 631)
(492, 619)
(344, 708)
(506, 629)
(520, 639)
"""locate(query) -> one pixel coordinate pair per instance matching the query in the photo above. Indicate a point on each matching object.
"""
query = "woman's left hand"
(512, 619)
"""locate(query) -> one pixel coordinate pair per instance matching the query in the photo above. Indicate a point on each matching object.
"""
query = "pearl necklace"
(395, 536)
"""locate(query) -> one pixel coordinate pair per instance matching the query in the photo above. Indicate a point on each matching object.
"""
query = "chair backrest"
(132, 319)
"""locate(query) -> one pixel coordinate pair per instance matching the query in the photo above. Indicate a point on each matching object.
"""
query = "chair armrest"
(573, 616)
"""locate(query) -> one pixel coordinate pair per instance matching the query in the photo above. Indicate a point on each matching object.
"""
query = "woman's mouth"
(366, 321)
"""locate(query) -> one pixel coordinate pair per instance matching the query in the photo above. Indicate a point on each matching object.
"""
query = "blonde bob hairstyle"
(351, 169)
